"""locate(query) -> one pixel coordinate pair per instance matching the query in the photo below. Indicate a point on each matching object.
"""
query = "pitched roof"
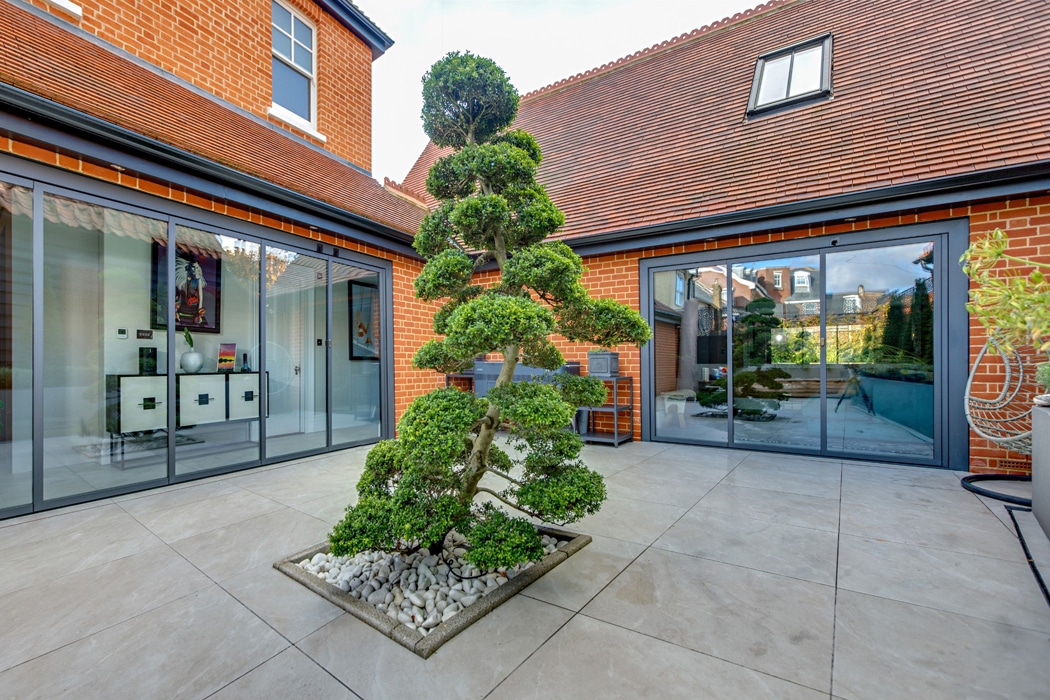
(39, 56)
(920, 90)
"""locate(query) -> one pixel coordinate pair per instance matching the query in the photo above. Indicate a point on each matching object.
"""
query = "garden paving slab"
(284, 604)
(991, 589)
(798, 552)
(888, 649)
(67, 543)
(231, 550)
(905, 496)
(298, 485)
(579, 578)
(190, 647)
(630, 520)
(329, 509)
(290, 674)
(468, 666)
(807, 479)
(199, 516)
(774, 624)
(774, 506)
(653, 487)
(899, 475)
(65, 609)
(969, 533)
(627, 664)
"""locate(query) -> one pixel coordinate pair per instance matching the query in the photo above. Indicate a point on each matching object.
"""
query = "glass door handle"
(297, 370)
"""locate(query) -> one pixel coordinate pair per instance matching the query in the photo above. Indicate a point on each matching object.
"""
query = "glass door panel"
(16, 346)
(105, 390)
(216, 393)
(355, 355)
(296, 352)
(690, 358)
(880, 351)
(775, 378)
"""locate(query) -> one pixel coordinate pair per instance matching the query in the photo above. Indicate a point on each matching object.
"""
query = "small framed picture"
(227, 357)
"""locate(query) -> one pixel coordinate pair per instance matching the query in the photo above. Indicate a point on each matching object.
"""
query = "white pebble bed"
(419, 590)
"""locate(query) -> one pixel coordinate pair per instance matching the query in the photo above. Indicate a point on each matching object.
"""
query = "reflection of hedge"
(921, 374)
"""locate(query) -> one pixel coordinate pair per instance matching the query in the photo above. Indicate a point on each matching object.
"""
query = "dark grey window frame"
(754, 109)
(43, 179)
(952, 326)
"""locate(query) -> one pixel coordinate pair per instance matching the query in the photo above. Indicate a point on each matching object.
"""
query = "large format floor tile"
(285, 604)
(630, 520)
(69, 542)
(245, 545)
(654, 487)
(468, 666)
(799, 552)
(788, 476)
(888, 649)
(627, 664)
(188, 648)
(970, 533)
(290, 674)
(193, 517)
(298, 484)
(574, 582)
(67, 608)
(774, 506)
(774, 624)
(991, 589)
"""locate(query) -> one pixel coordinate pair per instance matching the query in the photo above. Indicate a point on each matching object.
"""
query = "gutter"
(348, 15)
(257, 192)
(985, 184)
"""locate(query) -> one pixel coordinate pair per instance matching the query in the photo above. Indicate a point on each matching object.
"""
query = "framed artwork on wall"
(198, 290)
(364, 322)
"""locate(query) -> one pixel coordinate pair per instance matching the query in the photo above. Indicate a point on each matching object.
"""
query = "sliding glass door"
(828, 351)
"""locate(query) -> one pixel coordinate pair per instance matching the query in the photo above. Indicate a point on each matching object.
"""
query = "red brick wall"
(225, 48)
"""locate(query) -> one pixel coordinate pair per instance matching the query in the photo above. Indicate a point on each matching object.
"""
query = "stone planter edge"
(409, 638)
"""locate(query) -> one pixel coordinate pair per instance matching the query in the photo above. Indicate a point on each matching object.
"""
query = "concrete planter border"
(409, 638)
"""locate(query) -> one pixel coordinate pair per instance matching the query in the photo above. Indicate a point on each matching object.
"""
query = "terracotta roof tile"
(40, 57)
(920, 90)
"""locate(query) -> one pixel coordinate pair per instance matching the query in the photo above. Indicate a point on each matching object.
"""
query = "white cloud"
(537, 42)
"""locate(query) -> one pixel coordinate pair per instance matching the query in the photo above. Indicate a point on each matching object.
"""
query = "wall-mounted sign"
(144, 335)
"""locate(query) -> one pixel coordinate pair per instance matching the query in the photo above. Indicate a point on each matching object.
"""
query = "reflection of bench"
(677, 399)
(810, 388)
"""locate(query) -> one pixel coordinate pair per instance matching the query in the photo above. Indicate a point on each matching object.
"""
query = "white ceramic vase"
(191, 361)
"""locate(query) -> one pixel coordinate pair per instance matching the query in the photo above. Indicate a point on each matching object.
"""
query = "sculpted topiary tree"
(415, 489)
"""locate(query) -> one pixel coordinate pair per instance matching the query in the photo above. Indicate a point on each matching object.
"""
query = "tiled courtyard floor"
(713, 573)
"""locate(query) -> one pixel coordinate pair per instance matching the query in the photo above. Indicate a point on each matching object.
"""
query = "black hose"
(967, 483)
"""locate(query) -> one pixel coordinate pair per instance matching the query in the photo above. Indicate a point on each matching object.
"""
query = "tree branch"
(508, 477)
(515, 506)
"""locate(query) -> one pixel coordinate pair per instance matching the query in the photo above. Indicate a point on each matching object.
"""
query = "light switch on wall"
(122, 333)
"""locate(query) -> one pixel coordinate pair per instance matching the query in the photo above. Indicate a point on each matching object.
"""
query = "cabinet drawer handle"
(202, 399)
(249, 396)
(149, 403)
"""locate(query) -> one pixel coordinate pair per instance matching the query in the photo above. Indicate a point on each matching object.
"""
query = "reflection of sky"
(878, 269)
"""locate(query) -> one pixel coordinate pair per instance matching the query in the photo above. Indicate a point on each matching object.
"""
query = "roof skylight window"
(788, 76)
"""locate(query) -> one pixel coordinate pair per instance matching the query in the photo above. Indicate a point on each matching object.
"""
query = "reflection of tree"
(756, 393)
(751, 340)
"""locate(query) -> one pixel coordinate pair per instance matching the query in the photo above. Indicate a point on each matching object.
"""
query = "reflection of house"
(731, 164)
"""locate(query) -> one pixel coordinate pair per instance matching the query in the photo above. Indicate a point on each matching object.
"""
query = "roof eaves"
(43, 109)
(357, 22)
(982, 184)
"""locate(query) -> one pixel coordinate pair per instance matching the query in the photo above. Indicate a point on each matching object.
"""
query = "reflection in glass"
(217, 300)
(296, 353)
(880, 351)
(776, 353)
(16, 346)
(355, 355)
(105, 393)
(689, 337)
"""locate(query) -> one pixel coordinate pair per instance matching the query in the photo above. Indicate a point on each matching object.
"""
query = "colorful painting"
(227, 357)
(198, 285)
(364, 322)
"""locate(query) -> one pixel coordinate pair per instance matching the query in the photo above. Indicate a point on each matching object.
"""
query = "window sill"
(292, 119)
(68, 7)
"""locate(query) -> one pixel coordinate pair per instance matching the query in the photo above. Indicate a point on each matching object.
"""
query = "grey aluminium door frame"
(951, 318)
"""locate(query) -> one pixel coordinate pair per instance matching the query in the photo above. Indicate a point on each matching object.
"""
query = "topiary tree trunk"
(417, 488)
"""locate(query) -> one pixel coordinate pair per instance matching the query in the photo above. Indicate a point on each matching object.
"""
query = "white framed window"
(801, 280)
(851, 305)
(294, 66)
(798, 73)
(778, 280)
(679, 289)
